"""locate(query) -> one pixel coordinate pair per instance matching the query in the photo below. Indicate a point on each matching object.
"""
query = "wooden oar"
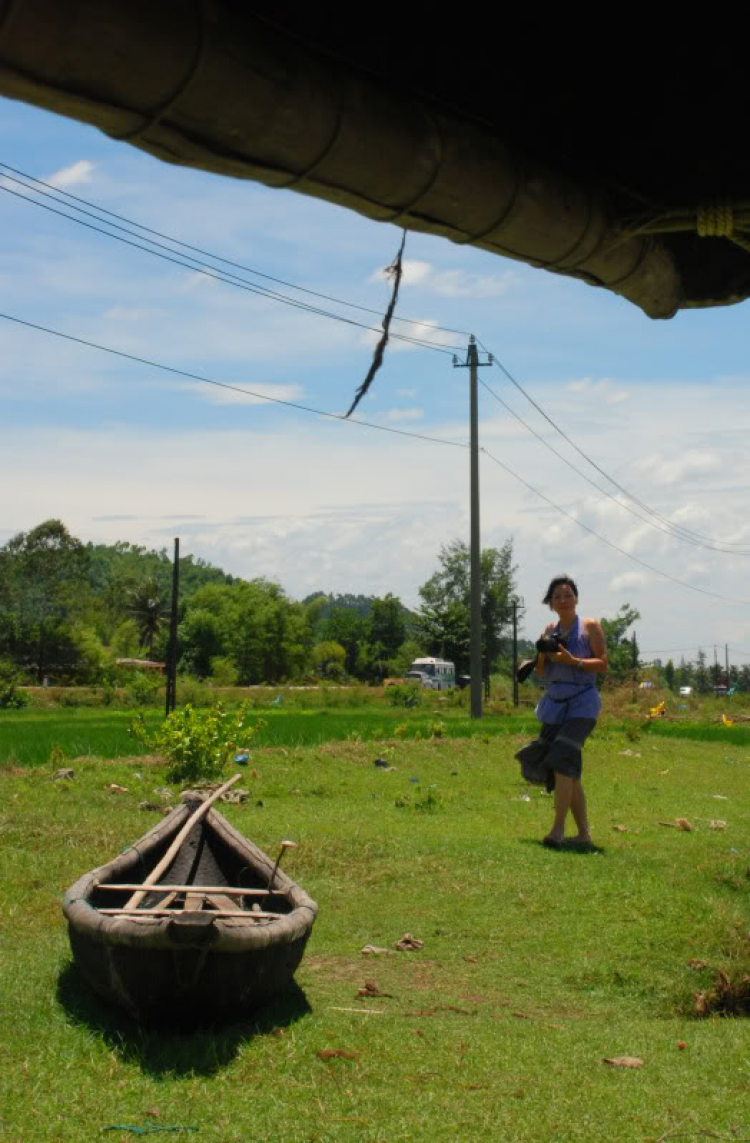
(157, 871)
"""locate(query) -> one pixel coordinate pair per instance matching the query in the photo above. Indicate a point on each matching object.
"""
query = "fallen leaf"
(624, 1062)
(336, 1053)
(115, 789)
(683, 824)
(67, 773)
(373, 950)
(697, 964)
(254, 774)
(717, 823)
(371, 988)
(153, 1113)
(408, 943)
(471, 959)
(620, 828)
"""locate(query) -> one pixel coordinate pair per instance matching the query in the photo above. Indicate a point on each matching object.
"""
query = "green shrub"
(11, 698)
(198, 744)
(404, 694)
(224, 671)
(144, 689)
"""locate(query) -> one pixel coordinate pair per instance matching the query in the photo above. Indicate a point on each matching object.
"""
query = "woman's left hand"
(563, 656)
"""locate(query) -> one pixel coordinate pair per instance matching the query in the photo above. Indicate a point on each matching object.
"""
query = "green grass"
(536, 965)
(735, 735)
(28, 737)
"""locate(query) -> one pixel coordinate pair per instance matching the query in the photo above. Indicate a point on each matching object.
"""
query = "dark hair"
(558, 581)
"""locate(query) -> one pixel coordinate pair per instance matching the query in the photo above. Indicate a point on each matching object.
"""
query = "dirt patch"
(728, 997)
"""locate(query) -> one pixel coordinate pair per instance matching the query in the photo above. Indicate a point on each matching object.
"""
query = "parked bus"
(437, 674)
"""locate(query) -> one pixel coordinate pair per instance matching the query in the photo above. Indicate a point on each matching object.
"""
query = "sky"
(121, 450)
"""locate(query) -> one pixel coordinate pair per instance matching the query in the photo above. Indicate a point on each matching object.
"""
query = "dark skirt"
(557, 750)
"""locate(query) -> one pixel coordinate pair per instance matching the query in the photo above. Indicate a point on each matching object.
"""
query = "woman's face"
(564, 600)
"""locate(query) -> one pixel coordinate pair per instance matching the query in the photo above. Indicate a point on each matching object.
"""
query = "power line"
(598, 487)
(230, 280)
(693, 536)
(57, 192)
(365, 424)
(635, 559)
(225, 385)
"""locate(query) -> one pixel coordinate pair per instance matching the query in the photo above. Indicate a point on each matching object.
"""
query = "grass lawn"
(27, 737)
(536, 965)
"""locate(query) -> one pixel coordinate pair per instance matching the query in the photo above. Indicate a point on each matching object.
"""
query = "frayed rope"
(395, 271)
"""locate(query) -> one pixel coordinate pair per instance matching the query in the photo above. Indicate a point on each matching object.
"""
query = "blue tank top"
(570, 692)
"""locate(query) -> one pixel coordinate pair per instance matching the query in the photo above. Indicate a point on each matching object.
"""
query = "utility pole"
(726, 660)
(171, 701)
(473, 363)
(515, 652)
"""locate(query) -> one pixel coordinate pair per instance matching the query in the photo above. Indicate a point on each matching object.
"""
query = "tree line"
(70, 610)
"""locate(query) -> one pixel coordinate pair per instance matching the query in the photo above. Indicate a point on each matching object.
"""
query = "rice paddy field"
(568, 995)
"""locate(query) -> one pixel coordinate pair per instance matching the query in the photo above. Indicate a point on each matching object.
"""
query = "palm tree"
(146, 609)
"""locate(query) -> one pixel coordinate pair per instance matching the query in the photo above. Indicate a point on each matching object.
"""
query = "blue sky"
(120, 450)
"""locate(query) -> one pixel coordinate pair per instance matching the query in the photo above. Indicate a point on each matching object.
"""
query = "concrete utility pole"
(473, 363)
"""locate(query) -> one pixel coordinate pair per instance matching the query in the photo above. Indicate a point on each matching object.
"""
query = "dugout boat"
(192, 921)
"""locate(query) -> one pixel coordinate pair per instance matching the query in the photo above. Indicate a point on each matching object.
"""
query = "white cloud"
(405, 414)
(250, 395)
(450, 283)
(601, 389)
(627, 580)
(75, 175)
(411, 393)
(664, 470)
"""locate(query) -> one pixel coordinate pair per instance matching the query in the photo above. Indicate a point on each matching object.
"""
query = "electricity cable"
(58, 191)
(635, 559)
(225, 385)
(598, 487)
(221, 276)
(364, 424)
(675, 527)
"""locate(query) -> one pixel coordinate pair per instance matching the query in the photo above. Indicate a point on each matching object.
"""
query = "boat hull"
(189, 964)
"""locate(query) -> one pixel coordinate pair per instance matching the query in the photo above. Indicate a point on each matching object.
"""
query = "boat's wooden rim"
(240, 914)
(128, 886)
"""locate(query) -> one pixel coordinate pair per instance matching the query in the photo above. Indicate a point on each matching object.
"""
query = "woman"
(568, 709)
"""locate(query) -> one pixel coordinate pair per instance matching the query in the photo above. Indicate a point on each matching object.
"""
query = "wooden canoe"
(206, 939)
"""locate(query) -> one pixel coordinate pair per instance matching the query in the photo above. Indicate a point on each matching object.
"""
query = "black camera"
(550, 643)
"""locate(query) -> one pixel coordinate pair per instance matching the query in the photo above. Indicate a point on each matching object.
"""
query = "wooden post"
(515, 652)
(171, 698)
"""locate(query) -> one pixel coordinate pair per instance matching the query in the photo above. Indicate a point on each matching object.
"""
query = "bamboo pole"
(193, 820)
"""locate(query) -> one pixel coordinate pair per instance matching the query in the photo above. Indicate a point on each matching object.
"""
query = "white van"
(436, 674)
(685, 692)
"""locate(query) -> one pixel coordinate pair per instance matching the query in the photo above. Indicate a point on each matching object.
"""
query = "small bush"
(198, 744)
(11, 698)
(224, 671)
(404, 694)
(144, 689)
(427, 802)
